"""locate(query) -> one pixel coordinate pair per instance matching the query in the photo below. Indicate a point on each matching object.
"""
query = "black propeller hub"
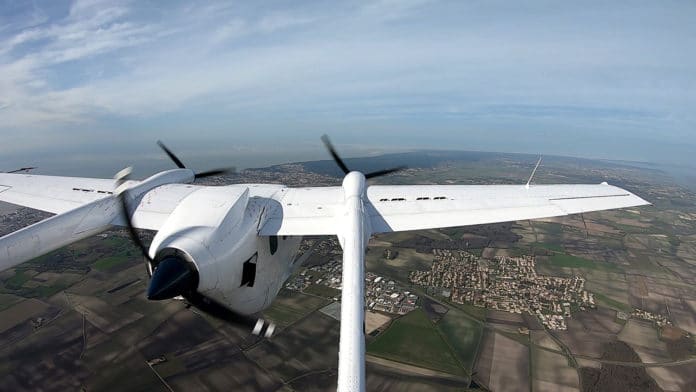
(172, 277)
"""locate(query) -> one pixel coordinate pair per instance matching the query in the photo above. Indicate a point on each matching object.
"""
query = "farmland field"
(107, 263)
(414, 339)
(463, 334)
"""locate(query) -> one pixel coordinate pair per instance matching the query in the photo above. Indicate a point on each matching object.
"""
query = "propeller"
(180, 165)
(345, 168)
(22, 169)
(258, 326)
(173, 275)
(121, 193)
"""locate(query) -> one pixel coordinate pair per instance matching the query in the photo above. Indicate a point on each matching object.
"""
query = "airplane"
(233, 246)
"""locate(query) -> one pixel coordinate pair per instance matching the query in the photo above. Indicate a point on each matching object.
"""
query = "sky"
(89, 86)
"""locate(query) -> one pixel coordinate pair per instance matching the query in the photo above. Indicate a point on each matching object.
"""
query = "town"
(510, 284)
(381, 294)
(505, 283)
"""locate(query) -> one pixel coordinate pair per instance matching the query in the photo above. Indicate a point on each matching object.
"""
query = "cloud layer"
(595, 79)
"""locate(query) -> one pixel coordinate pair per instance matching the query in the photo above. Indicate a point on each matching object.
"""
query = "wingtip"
(639, 201)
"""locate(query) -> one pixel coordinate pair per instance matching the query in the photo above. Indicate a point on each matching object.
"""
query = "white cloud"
(280, 21)
(384, 61)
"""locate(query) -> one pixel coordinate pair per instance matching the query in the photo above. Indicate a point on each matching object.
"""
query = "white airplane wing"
(401, 208)
(52, 194)
(83, 207)
(306, 211)
(315, 211)
(312, 211)
(59, 195)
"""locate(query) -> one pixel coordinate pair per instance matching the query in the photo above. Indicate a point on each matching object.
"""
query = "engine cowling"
(204, 244)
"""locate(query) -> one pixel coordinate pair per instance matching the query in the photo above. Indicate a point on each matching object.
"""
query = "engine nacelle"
(215, 230)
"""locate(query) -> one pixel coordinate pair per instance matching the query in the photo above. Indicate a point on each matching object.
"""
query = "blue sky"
(250, 83)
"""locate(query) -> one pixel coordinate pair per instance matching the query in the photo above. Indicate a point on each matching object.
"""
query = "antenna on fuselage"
(533, 171)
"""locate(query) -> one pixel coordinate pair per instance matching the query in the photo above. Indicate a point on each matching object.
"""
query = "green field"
(109, 262)
(291, 306)
(476, 312)
(612, 303)
(632, 229)
(8, 300)
(570, 261)
(322, 291)
(20, 277)
(549, 246)
(611, 243)
(414, 339)
(463, 335)
(17, 285)
(47, 291)
(548, 228)
(114, 241)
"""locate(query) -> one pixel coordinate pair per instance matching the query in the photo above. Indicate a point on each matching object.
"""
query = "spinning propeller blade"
(345, 168)
(214, 172)
(180, 165)
(173, 275)
(384, 172)
(257, 326)
(334, 154)
(22, 169)
(121, 191)
(173, 157)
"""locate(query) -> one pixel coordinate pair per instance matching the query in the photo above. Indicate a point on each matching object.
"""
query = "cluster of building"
(510, 284)
(291, 174)
(658, 319)
(328, 274)
(327, 247)
(386, 296)
(381, 294)
(19, 218)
